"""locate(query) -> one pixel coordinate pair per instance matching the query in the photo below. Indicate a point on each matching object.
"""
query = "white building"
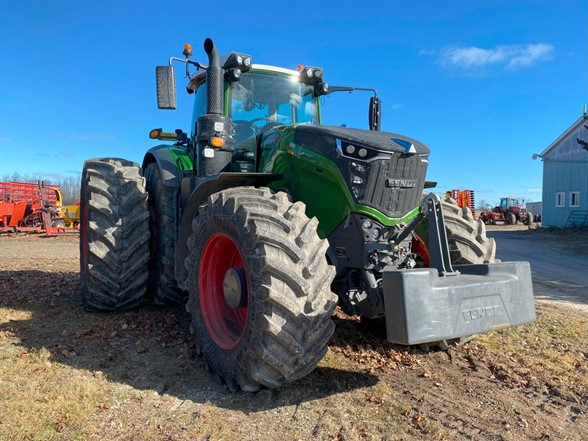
(565, 177)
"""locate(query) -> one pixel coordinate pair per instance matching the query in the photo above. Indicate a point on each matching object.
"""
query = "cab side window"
(199, 105)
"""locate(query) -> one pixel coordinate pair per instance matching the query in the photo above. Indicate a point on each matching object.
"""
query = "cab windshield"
(260, 101)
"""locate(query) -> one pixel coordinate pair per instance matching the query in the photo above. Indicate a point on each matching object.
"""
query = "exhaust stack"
(213, 125)
(214, 79)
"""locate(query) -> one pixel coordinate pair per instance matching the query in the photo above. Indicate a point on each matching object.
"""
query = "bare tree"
(70, 189)
(17, 177)
(482, 203)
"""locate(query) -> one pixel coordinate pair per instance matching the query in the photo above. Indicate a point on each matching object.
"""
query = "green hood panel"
(314, 178)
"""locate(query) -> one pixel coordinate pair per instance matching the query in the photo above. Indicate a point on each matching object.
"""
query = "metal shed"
(536, 208)
(565, 177)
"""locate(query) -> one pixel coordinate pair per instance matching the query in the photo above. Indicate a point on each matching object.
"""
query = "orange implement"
(17, 214)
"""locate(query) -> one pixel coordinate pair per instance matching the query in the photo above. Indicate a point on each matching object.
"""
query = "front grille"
(394, 186)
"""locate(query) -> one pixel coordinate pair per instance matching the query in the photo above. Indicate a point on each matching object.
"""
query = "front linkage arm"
(438, 245)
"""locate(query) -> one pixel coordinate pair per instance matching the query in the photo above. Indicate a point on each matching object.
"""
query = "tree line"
(70, 185)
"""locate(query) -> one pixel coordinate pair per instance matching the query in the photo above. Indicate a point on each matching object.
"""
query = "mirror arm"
(197, 64)
(187, 62)
(332, 89)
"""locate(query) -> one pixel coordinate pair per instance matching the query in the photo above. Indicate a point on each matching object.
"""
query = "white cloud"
(510, 57)
(426, 52)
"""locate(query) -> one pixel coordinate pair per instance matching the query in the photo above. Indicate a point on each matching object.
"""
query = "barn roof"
(565, 134)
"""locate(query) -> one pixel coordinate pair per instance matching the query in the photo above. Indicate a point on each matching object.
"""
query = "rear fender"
(172, 161)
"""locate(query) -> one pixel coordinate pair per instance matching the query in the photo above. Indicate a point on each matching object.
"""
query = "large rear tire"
(468, 243)
(114, 235)
(162, 283)
(259, 288)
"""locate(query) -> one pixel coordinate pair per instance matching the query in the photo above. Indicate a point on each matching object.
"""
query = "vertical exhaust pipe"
(211, 160)
(214, 79)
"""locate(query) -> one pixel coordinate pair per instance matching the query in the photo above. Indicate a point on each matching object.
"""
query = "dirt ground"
(558, 261)
(66, 374)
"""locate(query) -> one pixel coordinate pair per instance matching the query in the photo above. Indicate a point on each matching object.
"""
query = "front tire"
(114, 235)
(259, 288)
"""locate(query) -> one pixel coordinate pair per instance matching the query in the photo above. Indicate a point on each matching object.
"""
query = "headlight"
(358, 174)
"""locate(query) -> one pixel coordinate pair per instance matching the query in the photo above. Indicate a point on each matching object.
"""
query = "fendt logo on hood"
(401, 183)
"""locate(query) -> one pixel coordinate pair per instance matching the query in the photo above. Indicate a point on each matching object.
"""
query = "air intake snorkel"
(213, 129)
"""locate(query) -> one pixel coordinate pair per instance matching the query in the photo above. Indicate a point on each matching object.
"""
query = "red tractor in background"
(510, 211)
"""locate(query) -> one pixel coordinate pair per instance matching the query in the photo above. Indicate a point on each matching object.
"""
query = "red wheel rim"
(225, 325)
(420, 248)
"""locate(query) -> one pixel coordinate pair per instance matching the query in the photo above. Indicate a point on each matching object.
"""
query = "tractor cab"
(263, 98)
(236, 102)
(506, 203)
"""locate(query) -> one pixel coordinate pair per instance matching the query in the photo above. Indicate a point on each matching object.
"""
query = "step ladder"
(577, 219)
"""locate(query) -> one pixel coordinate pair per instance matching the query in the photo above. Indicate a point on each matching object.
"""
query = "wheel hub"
(234, 288)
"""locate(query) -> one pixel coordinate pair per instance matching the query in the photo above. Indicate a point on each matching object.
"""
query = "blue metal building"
(565, 177)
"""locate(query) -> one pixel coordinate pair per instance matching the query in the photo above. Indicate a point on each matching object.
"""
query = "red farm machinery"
(30, 206)
(510, 211)
(464, 198)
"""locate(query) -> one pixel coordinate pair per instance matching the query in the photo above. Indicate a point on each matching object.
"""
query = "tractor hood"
(382, 170)
(352, 140)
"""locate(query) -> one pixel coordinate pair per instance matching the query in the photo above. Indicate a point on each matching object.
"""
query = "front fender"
(206, 187)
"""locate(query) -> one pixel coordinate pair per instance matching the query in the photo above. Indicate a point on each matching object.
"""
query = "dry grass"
(550, 354)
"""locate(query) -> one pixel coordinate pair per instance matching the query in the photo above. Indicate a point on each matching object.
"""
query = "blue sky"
(485, 84)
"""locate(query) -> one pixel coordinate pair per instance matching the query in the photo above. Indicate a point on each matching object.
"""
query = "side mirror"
(375, 115)
(166, 87)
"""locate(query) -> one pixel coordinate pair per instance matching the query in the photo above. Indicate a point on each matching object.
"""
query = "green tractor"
(261, 220)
